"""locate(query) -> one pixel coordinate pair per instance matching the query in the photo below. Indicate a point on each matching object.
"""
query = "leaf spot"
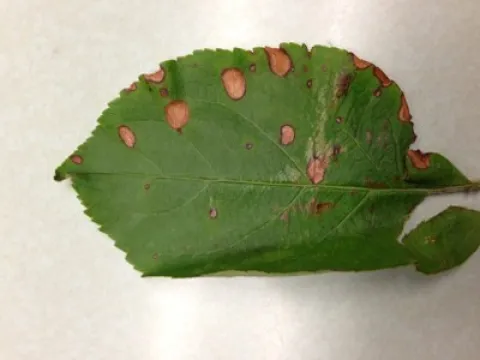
(155, 77)
(234, 83)
(76, 159)
(278, 60)
(404, 112)
(155, 256)
(343, 85)
(382, 77)
(177, 114)
(253, 68)
(377, 92)
(248, 146)
(132, 87)
(287, 134)
(146, 186)
(360, 63)
(316, 208)
(368, 137)
(163, 92)
(213, 213)
(337, 149)
(316, 169)
(419, 159)
(339, 120)
(309, 83)
(284, 216)
(305, 68)
(127, 136)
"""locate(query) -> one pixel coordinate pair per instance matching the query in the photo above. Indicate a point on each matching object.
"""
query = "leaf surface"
(276, 160)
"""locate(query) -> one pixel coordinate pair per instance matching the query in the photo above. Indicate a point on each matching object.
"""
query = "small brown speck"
(339, 120)
(177, 114)
(284, 216)
(155, 77)
(377, 92)
(76, 159)
(253, 68)
(287, 134)
(305, 68)
(279, 61)
(127, 136)
(337, 149)
(132, 87)
(234, 83)
(309, 83)
(163, 92)
(155, 256)
(368, 137)
(213, 213)
(146, 186)
(248, 146)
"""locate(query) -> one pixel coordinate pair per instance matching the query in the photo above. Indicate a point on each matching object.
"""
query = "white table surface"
(67, 293)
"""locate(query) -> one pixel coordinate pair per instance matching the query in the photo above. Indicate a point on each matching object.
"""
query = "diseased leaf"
(276, 160)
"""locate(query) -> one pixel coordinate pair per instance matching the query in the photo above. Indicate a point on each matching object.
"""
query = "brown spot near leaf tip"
(377, 92)
(360, 63)
(234, 83)
(316, 169)
(163, 92)
(127, 136)
(253, 67)
(287, 134)
(76, 159)
(213, 213)
(279, 61)
(132, 87)
(404, 112)
(382, 77)
(155, 77)
(419, 159)
(177, 114)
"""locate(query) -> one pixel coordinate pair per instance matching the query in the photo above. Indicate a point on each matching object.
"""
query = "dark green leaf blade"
(444, 241)
(277, 160)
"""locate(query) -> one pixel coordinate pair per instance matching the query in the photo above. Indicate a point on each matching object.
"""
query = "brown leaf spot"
(213, 213)
(309, 83)
(337, 149)
(419, 159)
(382, 77)
(404, 112)
(146, 186)
(287, 134)
(374, 184)
(177, 114)
(368, 137)
(127, 136)
(430, 240)
(284, 216)
(248, 146)
(234, 83)
(279, 61)
(76, 159)
(155, 77)
(305, 68)
(343, 85)
(132, 87)
(339, 120)
(163, 92)
(377, 92)
(316, 208)
(155, 256)
(360, 63)
(253, 67)
(316, 169)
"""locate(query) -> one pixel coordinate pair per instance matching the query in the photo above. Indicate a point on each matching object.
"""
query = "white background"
(67, 293)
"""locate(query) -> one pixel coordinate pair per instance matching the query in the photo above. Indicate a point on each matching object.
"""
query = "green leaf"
(446, 240)
(276, 160)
